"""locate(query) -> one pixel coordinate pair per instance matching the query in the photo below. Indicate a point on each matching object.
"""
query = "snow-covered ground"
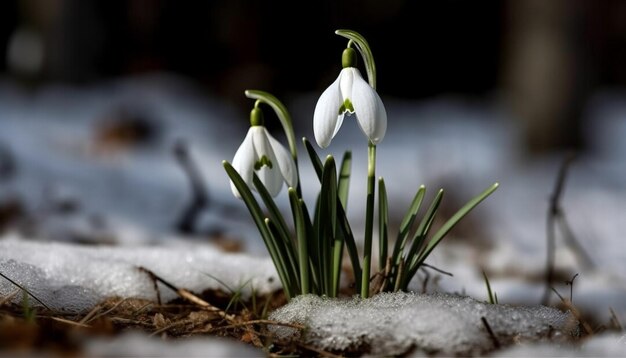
(74, 278)
(395, 323)
(75, 186)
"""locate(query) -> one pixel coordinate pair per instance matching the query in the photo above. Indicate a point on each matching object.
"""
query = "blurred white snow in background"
(134, 198)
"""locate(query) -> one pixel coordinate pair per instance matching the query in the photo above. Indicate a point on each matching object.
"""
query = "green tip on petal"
(264, 161)
(256, 117)
(349, 58)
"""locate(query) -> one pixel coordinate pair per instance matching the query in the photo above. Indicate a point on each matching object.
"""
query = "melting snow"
(74, 278)
(393, 323)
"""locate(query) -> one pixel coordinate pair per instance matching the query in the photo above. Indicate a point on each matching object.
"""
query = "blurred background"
(542, 59)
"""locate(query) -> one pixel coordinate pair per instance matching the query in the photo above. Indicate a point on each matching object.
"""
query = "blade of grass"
(257, 216)
(27, 292)
(490, 294)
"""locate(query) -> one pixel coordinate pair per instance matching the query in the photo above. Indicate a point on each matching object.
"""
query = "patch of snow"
(605, 345)
(140, 345)
(393, 323)
(73, 278)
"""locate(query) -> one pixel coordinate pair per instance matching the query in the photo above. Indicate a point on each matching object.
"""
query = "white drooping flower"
(349, 94)
(260, 153)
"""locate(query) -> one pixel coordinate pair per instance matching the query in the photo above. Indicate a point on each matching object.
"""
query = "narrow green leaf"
(353, 253)
(301, 235)
(277, 218)
(328, 219)
(318, 221)
(311, 235)
(405, 225)
(490, 296)
(292, 272)
(383, 223)
(420, 235)
(443, 231)
(315, 159)
(329, 190)
(259, 220)
(369, 219)
(344, 179)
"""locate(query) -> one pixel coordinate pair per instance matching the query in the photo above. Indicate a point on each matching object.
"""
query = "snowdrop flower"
(350, 94)
(263, 154)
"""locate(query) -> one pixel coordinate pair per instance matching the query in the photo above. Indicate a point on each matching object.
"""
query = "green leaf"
(278, 220)
(301, 235)
(259, 220)
(422, 229)
(319, 243)
(311, 235)
(292, 273)
(490, 294)
(329, 191)
(418, 240)
(344, 179)
(383, 223)
(315, 159)
(353, 253)
(328, 219)
(406, 224)
(443, 231)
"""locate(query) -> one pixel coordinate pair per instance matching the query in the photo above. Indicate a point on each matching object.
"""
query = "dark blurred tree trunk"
(544, 71)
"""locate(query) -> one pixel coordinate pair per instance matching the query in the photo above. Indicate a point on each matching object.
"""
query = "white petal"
(243, 162)
(325, 117)
(346, 77)
(369, 109)
(270, 177)
(339, 123)
(285, 162)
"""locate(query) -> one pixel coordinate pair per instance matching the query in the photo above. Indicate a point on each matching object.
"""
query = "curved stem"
(285, 119)
(364, 49)
(369, 219)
